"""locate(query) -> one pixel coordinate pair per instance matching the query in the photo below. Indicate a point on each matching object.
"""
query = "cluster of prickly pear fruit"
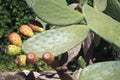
(31, 58)
(15, 39)
(28, 30)
(16, 42)
(14, 48)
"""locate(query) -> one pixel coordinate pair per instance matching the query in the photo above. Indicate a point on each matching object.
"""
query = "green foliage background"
(13, 13)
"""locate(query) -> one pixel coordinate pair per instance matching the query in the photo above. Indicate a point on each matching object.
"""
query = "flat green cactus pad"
(102, 71)
(102, 24)
(55, 12)
(57, 40)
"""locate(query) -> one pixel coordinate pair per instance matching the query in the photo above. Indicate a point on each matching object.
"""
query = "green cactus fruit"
(15, 39)
(26, 30)
(13, 50)
(21, 60)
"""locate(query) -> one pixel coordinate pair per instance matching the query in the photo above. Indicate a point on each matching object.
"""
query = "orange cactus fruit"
(48, 57)
(32, 57)
(36, 28)
(15, 39)
(26, 30)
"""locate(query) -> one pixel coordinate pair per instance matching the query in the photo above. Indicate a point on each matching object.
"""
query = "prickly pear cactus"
(57, 40)
(102, 71)
(103, 25)
(59, 13)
